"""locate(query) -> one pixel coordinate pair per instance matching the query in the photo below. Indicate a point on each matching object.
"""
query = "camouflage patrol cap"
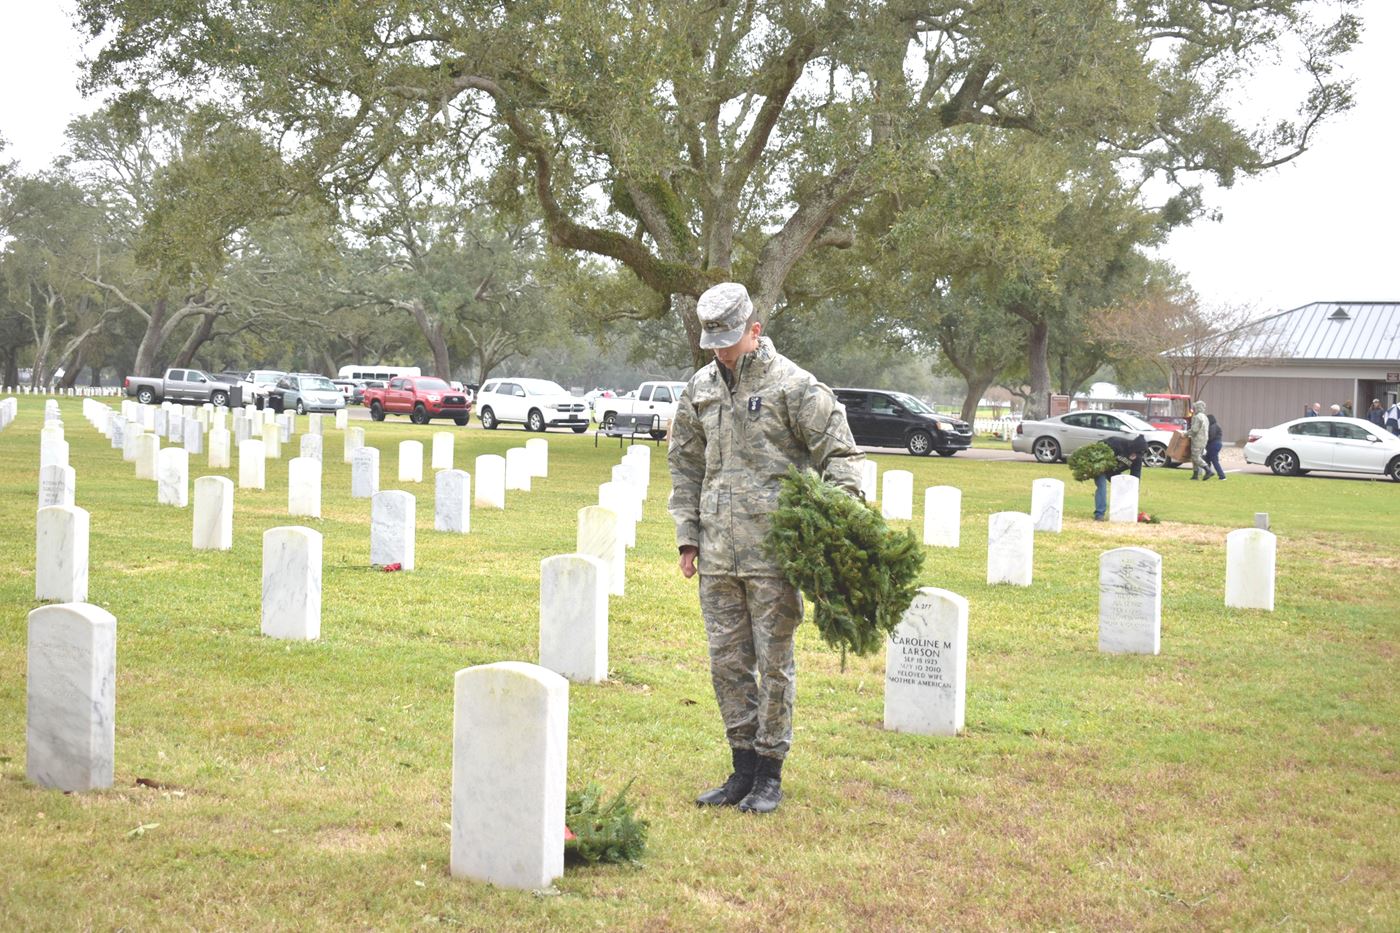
(723, 311)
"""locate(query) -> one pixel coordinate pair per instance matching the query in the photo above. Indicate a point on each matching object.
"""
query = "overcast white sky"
(1321, 228)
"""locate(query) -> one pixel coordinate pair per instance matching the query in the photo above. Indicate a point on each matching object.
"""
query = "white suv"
(536, 403)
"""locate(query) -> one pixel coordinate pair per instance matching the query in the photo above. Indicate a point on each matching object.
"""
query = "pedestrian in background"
(1376, 413)
(1199, 432)
(1215, 439)
(1313, 410)
(1392, 419)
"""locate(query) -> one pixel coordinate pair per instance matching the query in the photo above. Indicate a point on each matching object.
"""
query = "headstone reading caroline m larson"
(1010, 548)
(1249, 568)
(70, 735)
(510, 739)
(926, 666)
(1130, 601)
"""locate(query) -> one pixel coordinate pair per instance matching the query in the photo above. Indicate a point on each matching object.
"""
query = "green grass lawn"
(1244, 778)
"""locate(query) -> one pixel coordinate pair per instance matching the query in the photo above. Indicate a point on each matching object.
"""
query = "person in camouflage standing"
(1199, 433)
(741, 421)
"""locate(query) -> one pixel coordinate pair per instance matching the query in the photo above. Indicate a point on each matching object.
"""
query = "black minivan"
(893, 419)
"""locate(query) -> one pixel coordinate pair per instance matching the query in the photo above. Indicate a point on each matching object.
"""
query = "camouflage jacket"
(730, 448)
(1199, 430)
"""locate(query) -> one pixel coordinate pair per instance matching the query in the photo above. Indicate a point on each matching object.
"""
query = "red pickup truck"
(422, 398)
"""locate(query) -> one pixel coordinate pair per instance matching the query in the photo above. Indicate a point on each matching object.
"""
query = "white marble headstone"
(1123, 498)
(1048, 504)
(131, 442)
(518, 469)
(539, 456)
(452, 504)
(313, 423)
(942, 516)
(574, 617)
(1130, 601)
(304, 487)
(252, 466)
(272, 441)
(1010, 548)
(194, 436)
(926, 666)
(219, 449)
(444, 445)
(392, 528)
(410, 461)
(869, 479)
(61, 554)
(310, 447)
(173, 477)
(897, 499)
(1249, 568)
(354, 438)
(621, 499)
(57, 485)
(509, 767)
(342, 419)
(291, 583)
(71, 702)
(598, 537)
(364, 473)
(147, 452)
(53, 449)
(490, 481)
(213, 513)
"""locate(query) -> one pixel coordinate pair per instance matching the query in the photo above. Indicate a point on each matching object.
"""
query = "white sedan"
(1338, 445)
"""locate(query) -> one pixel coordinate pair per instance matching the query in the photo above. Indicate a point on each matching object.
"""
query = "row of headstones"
(76, 391)
(943, 504)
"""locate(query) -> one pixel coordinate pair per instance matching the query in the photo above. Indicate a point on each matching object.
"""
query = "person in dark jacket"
(1376, 413)
(1129, 451)
(1214, 441)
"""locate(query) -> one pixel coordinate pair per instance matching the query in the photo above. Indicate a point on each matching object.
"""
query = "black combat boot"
(767, 790)
(737, 787)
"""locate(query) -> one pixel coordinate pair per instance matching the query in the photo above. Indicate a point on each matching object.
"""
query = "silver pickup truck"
(179, 385)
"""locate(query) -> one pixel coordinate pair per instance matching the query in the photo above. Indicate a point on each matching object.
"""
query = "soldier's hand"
(688, 555)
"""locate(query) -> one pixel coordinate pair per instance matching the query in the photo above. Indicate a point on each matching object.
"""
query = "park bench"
(629, 427)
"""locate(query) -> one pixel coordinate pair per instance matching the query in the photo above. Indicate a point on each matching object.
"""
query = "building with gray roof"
(1333, 352)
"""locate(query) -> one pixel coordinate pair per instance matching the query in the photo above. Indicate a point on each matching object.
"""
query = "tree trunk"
(198, 337)
(684, 306)
(72, 367)
(435, 334)
(977, 386)
(144, 364)
(11, 368)
(1038, 347)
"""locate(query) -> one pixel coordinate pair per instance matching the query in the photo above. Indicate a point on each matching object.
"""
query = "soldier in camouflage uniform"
(741, 421)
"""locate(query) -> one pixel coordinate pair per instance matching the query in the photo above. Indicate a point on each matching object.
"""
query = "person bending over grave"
(741, 421)
(1129, 451)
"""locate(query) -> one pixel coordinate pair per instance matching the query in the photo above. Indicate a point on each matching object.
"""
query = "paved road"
(1232, 458)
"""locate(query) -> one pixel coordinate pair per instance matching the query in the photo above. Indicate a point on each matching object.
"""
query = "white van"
(358, 371)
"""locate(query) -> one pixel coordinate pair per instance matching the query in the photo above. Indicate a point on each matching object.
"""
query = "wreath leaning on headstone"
(858, 573)
(1093, 460)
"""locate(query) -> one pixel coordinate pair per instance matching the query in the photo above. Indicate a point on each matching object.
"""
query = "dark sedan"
(881, 418)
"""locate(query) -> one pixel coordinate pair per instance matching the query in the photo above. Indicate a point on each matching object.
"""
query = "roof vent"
(1339, 315)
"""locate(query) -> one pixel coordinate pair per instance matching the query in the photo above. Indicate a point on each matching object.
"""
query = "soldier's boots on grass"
(767, 790)
(737, 787)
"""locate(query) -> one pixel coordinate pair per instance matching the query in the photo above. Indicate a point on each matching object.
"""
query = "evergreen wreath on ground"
(858, 573)
(1092, 460)
(598, 832)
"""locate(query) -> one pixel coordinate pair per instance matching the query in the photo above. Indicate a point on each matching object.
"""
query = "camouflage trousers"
(749, 622)
(1198, 458)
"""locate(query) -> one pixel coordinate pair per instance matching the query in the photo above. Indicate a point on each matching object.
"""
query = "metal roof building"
(1333, 352)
